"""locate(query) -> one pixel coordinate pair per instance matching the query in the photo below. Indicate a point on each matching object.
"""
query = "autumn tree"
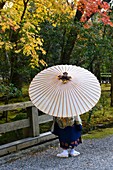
(85, 10)
(18, 38)
(20, 22)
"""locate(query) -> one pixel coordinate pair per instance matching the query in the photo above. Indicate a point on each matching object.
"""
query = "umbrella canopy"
(64, 91)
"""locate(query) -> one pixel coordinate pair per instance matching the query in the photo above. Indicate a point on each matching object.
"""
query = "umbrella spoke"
(84, 98)
(64, 90)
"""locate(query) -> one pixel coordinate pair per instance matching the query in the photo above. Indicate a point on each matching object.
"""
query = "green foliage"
(11, 136)
(45, 127)
(101, 115)
(94, 45)
(34, 35)
(9, 91)
(20, 116)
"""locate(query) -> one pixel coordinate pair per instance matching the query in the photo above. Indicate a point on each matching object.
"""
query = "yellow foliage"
(43, 51)
(22, 40)
(28, 25)
(13, 19)
(1, 44)
(8, 46)
(18, 51)
(43, 62)
(4, 27)
(34, 61)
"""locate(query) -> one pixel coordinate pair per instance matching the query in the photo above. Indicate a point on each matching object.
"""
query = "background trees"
(37, 34)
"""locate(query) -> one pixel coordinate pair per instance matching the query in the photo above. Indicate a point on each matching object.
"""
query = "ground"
(96, 154)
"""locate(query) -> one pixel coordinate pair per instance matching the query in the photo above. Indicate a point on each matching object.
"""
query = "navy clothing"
(70, 136)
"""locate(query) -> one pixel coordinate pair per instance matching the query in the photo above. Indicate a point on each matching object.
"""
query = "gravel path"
(96, 154)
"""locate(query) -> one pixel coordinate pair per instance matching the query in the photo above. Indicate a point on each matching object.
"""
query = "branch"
(25, 7)
(2, 4)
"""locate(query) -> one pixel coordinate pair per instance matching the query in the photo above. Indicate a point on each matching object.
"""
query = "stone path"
(96, 154)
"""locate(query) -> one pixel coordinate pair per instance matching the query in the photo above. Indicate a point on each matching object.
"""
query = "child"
(68, 131)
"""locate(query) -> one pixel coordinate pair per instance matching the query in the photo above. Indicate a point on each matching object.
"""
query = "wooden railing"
(32, 123)
(105, 78)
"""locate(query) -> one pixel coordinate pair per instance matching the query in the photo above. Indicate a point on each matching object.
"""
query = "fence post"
(34, 123)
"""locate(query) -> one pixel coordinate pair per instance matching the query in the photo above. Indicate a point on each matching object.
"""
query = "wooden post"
(34, 123)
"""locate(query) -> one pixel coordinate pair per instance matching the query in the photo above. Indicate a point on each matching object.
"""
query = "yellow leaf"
(22, 39)
(54, 24)
(8, 46)
(43, 62)
(43, 52)
(1, 44)
(18, 51)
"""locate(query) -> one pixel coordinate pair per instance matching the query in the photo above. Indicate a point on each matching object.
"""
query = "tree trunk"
(112, 85)
(15, 77)
(2, 4)
(97, 71)
(67, 51)
(71, 39)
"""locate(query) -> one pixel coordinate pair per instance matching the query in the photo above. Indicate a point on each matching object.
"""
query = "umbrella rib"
(90, 87)
(68, 104)
(42, 94)
(76, 96)
(80, 87)
(76, 92)
(77, 103)
(35, 96)
(48, 71)
(91, 94)
(73, 98)
(64, 106)
(58, 105)
(51, 90)
(55, 70)
(53, 97)
(39, 86)
(84, 97)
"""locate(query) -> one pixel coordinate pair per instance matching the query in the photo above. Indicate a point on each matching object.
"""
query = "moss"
(45, 127)
(11, 136)
(99, 133)
(20, 116)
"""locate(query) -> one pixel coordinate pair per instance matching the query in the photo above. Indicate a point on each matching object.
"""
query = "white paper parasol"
(64, 91)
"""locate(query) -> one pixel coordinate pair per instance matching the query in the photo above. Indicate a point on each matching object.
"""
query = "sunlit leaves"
(20, 20)
(91, 7)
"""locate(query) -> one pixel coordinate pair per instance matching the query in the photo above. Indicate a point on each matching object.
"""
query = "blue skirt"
(70, 136)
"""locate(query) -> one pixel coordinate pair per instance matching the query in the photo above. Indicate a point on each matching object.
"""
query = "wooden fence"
(105, 78)
(32, 123)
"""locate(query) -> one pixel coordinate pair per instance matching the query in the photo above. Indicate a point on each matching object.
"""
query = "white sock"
(72, 150)
(65, 151)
